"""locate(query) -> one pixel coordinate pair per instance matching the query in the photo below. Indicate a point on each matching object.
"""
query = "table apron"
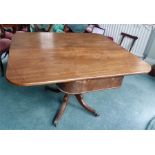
(83, 86)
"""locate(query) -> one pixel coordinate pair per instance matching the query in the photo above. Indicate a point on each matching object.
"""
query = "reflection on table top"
(43, 58)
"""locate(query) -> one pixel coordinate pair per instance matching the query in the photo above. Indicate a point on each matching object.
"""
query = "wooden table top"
(44, 58)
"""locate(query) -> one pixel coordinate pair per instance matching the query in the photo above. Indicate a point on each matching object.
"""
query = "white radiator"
(142, 31)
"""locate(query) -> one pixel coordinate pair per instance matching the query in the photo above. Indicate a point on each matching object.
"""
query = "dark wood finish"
(83, 86)
(61, 110)
(44, 58)
(134, 38)
(64, 104)
(87, 61)
(130, 36)
(79, 97)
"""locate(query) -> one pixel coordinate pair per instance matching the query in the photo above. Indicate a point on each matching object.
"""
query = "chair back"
(134, 38)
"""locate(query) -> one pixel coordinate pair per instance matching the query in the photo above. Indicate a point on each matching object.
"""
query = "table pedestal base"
(77, 88)
(64, 104)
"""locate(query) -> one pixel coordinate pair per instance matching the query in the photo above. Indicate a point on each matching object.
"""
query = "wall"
(140, 30)
(150, 49)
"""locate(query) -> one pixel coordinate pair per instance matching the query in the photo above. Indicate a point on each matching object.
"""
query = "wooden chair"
(134, 38)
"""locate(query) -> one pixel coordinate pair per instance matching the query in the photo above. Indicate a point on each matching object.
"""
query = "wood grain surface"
(44, 58)
(83, 86)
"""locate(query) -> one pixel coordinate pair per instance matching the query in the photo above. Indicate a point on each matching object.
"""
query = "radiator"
(142, 31)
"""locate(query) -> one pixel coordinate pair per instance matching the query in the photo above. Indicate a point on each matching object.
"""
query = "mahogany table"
(76, 62)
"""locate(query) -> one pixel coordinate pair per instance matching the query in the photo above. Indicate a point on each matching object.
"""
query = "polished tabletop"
(44, 58)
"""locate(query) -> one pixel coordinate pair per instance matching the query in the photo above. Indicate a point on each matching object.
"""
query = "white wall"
(140, 30)
(150, 49)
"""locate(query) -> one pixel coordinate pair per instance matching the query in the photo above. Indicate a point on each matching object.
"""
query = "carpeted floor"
(131, 106)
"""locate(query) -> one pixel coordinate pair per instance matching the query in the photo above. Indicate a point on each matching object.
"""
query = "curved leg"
(61, 110)
(85, 105)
